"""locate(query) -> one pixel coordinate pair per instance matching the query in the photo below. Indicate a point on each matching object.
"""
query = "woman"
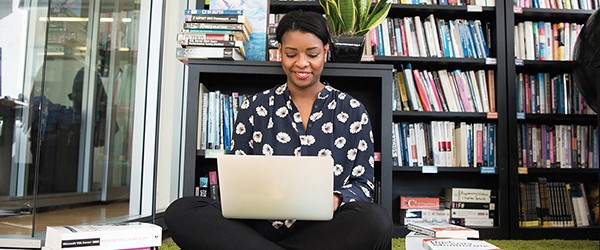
(301, 117)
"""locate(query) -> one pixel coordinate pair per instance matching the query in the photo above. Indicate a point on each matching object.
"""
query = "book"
(218, 34)
(213, 185)
(210, 40)
(20, 242)
(222, 53)
(219, 26)
(443, 230)
(212, 12)
(414, 241)
(202, 116)
(104, 236)
(426, 216)
(462, 244)
(407, 202)
(474, 195)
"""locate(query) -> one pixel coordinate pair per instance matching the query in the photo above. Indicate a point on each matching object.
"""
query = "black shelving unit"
(248, 77)
(515, 119)
(395, 181)
(417, 181)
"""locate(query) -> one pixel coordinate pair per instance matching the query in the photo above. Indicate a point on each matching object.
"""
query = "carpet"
(398, 244)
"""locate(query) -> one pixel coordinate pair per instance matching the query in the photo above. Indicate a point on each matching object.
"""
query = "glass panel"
(65, 155)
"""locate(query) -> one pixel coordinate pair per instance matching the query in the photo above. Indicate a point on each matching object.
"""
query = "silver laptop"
(276, 187)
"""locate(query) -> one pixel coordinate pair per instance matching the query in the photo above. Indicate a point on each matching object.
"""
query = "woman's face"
(303, 58)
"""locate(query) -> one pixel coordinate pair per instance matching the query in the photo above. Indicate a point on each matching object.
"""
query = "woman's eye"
(313, 56)
(290, 56)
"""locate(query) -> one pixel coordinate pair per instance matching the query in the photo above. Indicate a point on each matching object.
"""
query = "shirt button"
(316, 106)
(310, 125)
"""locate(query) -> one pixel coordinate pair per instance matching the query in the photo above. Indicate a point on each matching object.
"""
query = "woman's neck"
(305, 94)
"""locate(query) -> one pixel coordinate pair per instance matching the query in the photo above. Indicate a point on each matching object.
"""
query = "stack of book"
(471, 207)
(213, 34)
(421, 209)
(444, 236)
(132, 235)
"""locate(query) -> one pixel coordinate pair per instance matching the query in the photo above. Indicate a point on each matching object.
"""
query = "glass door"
(69, 113)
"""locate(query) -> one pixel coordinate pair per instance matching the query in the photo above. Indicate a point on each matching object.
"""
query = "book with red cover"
(407, 202)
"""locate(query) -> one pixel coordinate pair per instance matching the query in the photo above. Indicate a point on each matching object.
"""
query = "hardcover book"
(104, 236)
(443, 230)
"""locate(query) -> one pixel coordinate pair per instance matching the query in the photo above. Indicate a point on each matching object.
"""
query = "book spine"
(468, 195)
(212, 12)
(213, 185)
(215, 26)
(204, 121)
(214, 18)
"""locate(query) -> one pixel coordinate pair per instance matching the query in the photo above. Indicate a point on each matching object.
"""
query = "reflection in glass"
(69, 128)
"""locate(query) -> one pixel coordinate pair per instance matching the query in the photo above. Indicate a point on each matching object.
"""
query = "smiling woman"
(302, 117)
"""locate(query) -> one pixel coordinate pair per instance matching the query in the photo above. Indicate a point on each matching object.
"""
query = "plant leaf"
(348, 15)
(377, 16)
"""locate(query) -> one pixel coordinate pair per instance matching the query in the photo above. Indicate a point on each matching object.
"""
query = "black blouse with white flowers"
(269, 123)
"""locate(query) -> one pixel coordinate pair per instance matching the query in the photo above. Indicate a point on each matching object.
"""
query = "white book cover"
(412, 91)
(521, 41)
(414, 241)
(430, 38)
(450, 143)
(462, 244)
(387, 48)
(104, 236)
(202, 116)
(483, 90)
(529, 42)
(423, 51)
(475, 93)
(475, 195)
(436, 143)
(549, 41)
(462, 157)
(435, 36)
(20, 242)
(470, 213)
(409, 38)
(449, 92)
(443, 230)
(455, 39)
(478, 222)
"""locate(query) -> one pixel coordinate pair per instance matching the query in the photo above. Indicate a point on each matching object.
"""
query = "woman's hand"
(337, 200)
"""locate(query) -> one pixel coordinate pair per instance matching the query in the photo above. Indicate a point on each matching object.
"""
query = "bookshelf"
(396, 181)
(419, 181)
(517, 119)
(248, 77)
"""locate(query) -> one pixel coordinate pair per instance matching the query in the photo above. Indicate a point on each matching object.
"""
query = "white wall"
(172, 110)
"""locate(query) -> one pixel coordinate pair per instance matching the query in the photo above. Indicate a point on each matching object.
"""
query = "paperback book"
(130, 235)
(443, 230)
(462, 244)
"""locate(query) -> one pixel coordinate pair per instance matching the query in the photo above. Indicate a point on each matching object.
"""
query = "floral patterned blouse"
(269, 123)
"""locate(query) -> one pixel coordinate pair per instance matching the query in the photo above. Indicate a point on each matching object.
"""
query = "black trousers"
(197, 223)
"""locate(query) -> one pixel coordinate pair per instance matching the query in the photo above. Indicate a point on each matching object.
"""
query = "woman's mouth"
(302, 75)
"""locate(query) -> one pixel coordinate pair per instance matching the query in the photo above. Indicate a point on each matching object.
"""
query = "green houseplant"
(349, 21)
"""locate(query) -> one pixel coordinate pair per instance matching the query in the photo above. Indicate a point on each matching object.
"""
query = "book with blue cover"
(257, 12)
